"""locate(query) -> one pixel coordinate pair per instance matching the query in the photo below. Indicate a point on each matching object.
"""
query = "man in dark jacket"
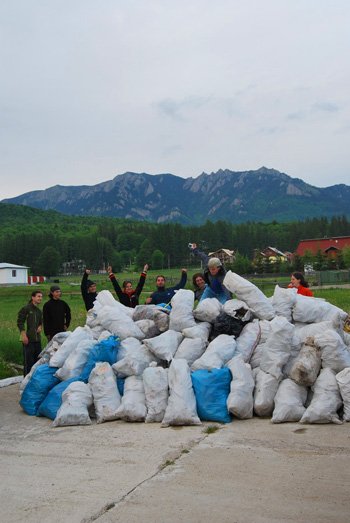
(128, 296)
(31, 315)
(163, 294)
(214, 274)
(56, 313)
(88, 290)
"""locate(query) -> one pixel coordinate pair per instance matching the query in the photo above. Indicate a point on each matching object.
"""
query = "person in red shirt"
(298, 281)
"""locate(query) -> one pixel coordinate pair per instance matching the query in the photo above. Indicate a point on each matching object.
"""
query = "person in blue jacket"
(164, 294)
(214, 274)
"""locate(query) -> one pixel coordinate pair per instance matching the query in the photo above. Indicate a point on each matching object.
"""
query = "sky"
(90, 90)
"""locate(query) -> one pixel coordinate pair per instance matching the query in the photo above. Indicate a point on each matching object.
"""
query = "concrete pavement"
(247, 471)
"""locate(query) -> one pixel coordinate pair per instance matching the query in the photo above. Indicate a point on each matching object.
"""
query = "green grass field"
(13, 298)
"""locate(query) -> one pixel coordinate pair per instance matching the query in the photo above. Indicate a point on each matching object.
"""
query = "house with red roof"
(329, 246)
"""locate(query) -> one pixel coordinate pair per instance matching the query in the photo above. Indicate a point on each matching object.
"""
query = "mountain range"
(260, 195)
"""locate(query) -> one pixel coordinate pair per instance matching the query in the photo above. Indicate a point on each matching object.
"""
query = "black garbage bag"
(226, 324)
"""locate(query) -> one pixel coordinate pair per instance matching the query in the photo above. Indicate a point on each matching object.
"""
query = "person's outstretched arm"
(83, 286)
(202, 255)
(141, 280)
(117, 287)
(183, 280)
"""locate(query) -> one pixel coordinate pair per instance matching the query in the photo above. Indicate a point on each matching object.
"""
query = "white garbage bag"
(238, 309)
(165, 345)
(207, 310)
(152, 312)
(79, 334)
(105, 392)
(155, 382)
(76, 400)
(191, 349)
(343, 380)
(250, 294)
(75, 362)
(334, 353)
(283, 301)
(119, 323)
(133, 405)
(148, 327)
(217, 354)
(136, 359)
(181, 314)
(106, 299)
(200, 330)
(248, 340)
(240, 399)
(289, 402)
(278, 347)
(181, 409)
(265, 390)
(307, 365)
(313, 310)
(326, 400)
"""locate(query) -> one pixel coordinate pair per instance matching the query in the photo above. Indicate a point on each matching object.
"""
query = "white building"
(11, 274)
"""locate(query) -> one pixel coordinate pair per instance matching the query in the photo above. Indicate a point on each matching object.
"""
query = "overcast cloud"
(92, 89)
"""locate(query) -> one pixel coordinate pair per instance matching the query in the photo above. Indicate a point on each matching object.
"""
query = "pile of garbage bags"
(286, 357)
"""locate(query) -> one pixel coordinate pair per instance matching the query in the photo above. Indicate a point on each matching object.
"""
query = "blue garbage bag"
(37, 388)
(53, 400)
(106, 350)
(211, 388)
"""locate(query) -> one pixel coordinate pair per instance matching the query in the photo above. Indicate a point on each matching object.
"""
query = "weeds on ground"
(211, 429)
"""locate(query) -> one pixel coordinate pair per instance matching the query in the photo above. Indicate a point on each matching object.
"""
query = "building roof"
(5, 265)
(322, 244)
(226, 251)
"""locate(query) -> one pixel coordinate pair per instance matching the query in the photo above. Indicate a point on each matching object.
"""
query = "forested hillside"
(42, 239)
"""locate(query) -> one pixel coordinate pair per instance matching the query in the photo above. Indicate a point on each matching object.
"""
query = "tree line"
(44, 240)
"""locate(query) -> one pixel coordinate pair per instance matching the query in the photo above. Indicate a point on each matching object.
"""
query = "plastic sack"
(76, 360)
(200, 330)
(28, 376)
(118, 323)
(181, 409)
(278, 347)
(226, 324)
(165, 345)
(265, 390)
(238, 309)
(49, 407)
(181, 314)
(211, 389)
(207, 310)
(289, 402)
(106, 299)
(191, 349)
(79, 334)
(343, 380)
(307, 365)
(326, 400)
(37, 388)
(152, 312)
(283, 301)
(133, 405)
(240, 400)
(334, 353)
(76, 400)
(106, 350)
(103, 384)
(248, 340)
(155, 382)
(313, 310)
(135, 361)
(218, 352)
(250, 294)
(148, 327)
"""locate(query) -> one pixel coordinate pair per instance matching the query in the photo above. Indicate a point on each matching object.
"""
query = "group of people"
(56, 314)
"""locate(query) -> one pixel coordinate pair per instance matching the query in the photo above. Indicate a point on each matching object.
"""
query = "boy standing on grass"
(29, 323)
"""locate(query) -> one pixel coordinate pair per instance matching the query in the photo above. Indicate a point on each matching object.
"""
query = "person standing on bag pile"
(214, 274)
(56, 313)
(128, 296)
(29, 323)
(163, 295)
(297, 281)
(88, 290)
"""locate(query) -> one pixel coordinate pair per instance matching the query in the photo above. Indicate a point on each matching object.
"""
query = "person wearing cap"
(29, 323)
(214, 274)
(164, 294)
(56, 313)
(88, 290)
(128, 296)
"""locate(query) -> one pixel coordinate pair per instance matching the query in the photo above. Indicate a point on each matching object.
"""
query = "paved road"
(246, 472)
